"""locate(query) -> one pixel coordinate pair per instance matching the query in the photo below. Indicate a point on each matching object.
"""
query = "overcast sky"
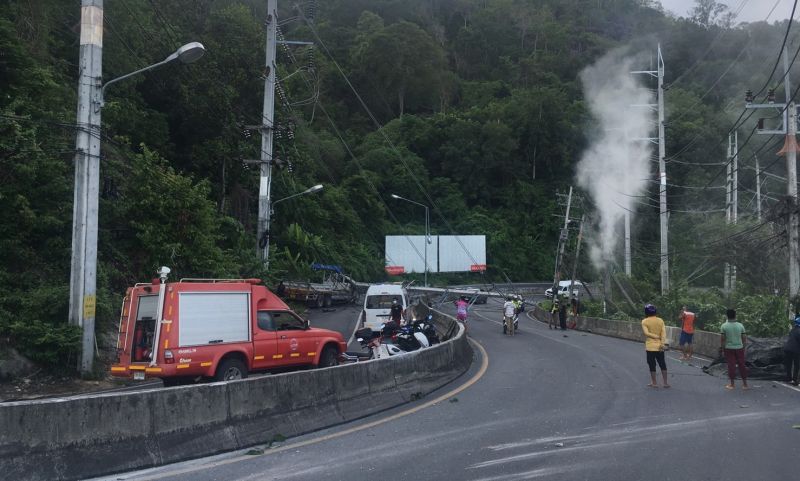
(754, 10)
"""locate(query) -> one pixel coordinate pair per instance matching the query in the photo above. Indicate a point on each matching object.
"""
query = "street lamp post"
(310, 190)
(427, 231)
(83, 268)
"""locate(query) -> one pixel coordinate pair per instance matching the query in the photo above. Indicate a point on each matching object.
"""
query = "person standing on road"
(732, 344)
(687, 333)
(552, 323)
(461, 309)
(517, 300)
(562, 315)
(791, 353)
(396, 312)
(655, 339)
(508, 316)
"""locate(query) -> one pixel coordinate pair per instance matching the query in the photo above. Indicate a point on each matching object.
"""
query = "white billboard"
(406, 253)
(463, 253)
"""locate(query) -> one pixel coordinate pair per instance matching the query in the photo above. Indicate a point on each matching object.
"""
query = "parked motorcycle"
(411, 338)
(375, 343)
(426, 327)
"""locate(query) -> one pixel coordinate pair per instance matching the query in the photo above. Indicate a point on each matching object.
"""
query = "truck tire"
(327, 301)
(230, 369)
(329, 357)
(320, 301)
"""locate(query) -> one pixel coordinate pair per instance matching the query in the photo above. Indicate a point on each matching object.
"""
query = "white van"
(563, 289)
(378, 304)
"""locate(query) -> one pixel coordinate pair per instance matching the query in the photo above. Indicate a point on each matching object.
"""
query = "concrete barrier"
(85, 436)
(704, 343)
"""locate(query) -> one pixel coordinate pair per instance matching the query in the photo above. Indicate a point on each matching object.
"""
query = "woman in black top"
(791, 353)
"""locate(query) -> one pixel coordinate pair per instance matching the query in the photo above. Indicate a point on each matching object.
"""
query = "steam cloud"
(616, 167)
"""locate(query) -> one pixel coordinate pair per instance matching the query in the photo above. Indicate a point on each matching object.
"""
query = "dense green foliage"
(482, 118)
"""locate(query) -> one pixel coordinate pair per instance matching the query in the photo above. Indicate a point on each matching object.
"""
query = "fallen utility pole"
(562, 242)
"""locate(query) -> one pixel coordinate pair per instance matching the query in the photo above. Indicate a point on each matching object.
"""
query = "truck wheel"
(230, 369)
(329, 357)
(320, 302)
(327, 301)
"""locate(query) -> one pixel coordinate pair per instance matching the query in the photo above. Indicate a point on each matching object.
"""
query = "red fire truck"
(214, 329)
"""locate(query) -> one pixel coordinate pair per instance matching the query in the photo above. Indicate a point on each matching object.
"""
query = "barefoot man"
(732, 343)
(655, 337)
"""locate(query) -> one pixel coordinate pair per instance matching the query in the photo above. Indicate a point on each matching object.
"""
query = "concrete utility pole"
(732, 202)
(267, 125)
(562, 242)
(790, 148)
(662, 172)
(758, 190)
(627, 243)
(662, 175)
(577, 256)
(83, 275)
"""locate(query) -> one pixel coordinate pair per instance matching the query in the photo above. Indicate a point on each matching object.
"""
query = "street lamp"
(189, 53)
(265, 246)
(83, 267)
(427, 231)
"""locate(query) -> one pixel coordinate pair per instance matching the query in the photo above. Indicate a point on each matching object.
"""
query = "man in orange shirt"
(687, 333)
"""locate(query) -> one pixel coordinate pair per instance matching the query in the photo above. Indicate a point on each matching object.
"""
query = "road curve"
(551, 405)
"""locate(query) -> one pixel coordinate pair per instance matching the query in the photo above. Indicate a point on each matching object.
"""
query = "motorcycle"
(410, 338)
(426, 327)
(375, 344)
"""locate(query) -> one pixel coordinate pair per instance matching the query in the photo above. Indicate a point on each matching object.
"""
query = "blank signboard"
(463, 253)
(213, 317)
(408, 252)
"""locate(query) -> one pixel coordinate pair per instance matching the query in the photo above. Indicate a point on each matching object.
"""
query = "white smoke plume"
(616, 166)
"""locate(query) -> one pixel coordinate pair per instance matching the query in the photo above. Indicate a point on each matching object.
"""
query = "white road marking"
(162, 472)
(793, 388)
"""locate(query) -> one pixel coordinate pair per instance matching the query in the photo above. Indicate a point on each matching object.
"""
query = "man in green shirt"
(732, 343)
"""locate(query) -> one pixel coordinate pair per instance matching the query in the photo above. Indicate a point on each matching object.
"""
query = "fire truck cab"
(214, 329)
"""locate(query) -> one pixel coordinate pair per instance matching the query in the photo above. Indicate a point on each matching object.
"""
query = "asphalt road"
(550, 405)
(341, 318)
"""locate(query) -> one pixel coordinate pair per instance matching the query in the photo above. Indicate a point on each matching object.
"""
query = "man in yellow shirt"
(655, 339)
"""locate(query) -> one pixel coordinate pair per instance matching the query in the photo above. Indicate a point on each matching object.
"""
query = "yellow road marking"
(327, 437)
